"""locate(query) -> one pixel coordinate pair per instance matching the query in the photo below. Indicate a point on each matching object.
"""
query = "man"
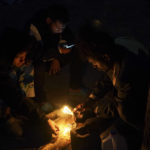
(50, 30)
(121, 101)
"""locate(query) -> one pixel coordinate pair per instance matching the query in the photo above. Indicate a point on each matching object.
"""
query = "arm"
(102, 87)
(131, 92)
(94, 125)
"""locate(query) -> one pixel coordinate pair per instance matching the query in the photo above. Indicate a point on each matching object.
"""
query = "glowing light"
(65, 131)
(66, 110)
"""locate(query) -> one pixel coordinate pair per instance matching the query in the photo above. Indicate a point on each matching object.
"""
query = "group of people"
(45, 45)
(117, 103)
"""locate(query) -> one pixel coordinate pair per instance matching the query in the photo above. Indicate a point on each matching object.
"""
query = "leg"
(39, 81)
(77, 69)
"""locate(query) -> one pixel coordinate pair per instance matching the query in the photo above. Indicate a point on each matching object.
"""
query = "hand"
(79, 107)
(80, 131)
(79, 112)
(64, 50)
(55, 67)
(53, 126)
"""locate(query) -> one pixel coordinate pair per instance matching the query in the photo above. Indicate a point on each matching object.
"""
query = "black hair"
(96, 43)
(58, 12)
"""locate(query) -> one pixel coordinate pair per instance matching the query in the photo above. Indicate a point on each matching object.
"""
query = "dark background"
(122, 17)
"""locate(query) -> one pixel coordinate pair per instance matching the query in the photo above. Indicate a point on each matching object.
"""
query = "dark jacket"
(129, 98)
(49, 41)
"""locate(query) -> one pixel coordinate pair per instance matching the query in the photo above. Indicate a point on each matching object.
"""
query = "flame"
(65, 131)
(66, 110)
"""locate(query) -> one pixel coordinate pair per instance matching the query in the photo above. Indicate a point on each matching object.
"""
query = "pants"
(76, 73)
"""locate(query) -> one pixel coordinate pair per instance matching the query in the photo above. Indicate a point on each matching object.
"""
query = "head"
(56, 26)
(57, 17)
(98, 64)
(97, 47)
(16, 45)
(20, 59)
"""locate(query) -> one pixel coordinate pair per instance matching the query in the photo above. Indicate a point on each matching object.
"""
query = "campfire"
(65, 128)
(64, 119)
(65, 122)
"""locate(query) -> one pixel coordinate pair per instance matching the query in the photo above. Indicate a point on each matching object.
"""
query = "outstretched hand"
(64, 50)
(79, 112)
(82, 113)
(53, 127)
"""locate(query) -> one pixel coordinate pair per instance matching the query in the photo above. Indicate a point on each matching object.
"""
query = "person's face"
(97, 64)
(19, 60)
(57, 27)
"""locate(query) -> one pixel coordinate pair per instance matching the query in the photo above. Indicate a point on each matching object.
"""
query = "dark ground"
(121, 17)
